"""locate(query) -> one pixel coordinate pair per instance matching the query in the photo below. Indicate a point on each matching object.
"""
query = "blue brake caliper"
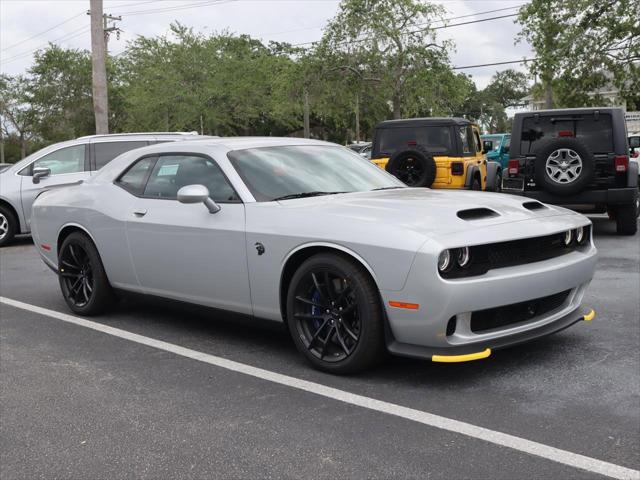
(316, 298)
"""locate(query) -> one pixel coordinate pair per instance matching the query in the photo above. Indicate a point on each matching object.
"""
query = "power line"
(132, 13)
(524, 60)
(419, 24)
(68, 36)
(422, 29)
(42, 32)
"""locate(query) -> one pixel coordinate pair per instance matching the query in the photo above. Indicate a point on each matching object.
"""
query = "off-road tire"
(582, 179)
(10, 223)
(626, 220)
(102, 295)
(369, 348)
(414, 166)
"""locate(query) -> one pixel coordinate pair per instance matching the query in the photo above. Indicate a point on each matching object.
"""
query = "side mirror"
(40, 172)
(634, 142)
(487, 146)
(506, 149)
(198, 194)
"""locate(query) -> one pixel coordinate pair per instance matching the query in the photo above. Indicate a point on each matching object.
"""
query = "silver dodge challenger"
(311, 234)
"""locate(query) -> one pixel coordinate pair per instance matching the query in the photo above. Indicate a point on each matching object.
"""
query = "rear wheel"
(8, 226)
(334, 314)
(82, 278)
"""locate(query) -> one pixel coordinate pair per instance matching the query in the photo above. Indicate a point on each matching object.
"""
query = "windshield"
(496, 139)
(275, 172)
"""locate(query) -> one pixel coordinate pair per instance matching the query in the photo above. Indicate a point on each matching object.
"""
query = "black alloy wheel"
(82, 278)
(334, 314)
(76, 275)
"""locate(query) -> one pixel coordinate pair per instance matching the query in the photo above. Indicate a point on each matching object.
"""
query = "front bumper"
(440, 303)
(467, 353)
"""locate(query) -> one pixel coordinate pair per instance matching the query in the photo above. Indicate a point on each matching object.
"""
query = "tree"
(18, 113)
(59, 90)
(505, 90)
(543, 27)
(582, 46)
(389, 41)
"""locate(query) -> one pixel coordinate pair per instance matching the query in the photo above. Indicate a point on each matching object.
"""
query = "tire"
(476, 184)
(79, 261)
(8, 226)
(497, 183)
(353, 327)
(564, 166)
(414, 166)
(626, 220)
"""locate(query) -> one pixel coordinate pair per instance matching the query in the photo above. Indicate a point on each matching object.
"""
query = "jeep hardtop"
(434, 152)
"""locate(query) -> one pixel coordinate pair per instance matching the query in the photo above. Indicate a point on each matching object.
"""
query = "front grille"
(515, 252)
(499, 317)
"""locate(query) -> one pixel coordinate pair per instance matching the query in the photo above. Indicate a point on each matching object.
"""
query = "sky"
(28, 25)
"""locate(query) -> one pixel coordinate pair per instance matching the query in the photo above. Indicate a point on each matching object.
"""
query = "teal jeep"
(496, 147)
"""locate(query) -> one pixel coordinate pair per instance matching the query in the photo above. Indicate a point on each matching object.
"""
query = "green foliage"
(59, 90)
(583, 47)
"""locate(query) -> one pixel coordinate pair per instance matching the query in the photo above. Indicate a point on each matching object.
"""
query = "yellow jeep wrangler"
(434, 152)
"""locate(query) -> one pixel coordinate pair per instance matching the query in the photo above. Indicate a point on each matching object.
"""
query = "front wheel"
(334, 314)
(82, 278)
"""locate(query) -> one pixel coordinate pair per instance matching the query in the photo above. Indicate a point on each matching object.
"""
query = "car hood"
(428, 211)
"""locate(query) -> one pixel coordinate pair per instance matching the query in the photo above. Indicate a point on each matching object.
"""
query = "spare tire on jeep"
(564, 166)
(414, 166)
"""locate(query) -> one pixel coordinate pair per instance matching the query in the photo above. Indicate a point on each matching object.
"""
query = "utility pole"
(99, 38)
(1, 141)
(358, 117)
(307, 129)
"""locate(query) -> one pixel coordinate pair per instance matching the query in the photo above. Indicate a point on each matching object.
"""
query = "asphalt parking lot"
(80, 403)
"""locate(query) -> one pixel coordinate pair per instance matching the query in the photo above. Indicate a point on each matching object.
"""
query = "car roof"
(426, 121)
(242, 143)
(569, 111)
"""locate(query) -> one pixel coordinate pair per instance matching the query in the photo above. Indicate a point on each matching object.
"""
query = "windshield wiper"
(304, 195)
(386, 188)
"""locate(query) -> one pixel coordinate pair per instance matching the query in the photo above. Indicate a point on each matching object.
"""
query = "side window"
(134, 179)
(172, 172)
(507, 144)
(476, 141)
(464, 139)
(104, 152)
(65, 160)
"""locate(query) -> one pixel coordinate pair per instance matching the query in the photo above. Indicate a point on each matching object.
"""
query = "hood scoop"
(477, 213)
(534, 206)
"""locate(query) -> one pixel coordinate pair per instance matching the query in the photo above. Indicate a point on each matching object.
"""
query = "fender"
(471, 171)
(632, 174)
(335, 246)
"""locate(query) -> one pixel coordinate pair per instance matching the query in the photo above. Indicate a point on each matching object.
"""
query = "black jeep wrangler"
(578, 158)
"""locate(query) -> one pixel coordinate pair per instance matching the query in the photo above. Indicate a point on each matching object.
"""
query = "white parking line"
(437, 421)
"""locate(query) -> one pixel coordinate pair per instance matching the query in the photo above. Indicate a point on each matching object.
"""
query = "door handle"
(140, 212)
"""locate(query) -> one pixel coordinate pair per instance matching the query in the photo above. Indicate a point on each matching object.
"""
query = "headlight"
(444, 261)
(464, 256)
(580, 235)
(568, 236)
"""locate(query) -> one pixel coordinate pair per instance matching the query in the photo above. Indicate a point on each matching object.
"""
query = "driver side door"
(183, 251)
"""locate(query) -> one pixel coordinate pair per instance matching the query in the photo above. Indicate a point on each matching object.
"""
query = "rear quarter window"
(595, 133)
(104, 152)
